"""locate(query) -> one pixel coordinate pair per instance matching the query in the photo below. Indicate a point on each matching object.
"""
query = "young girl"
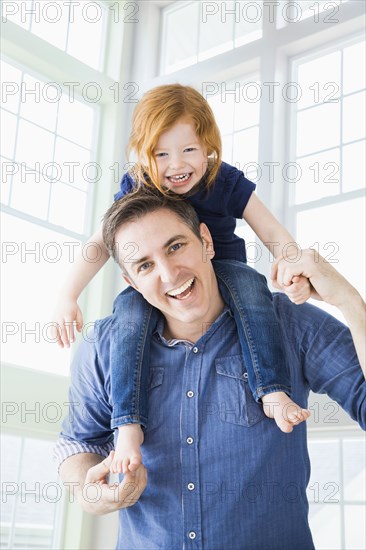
(178, 148)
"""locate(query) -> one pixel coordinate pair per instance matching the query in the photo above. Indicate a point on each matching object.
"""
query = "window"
(236, 108)
(328, 125)
(31, 496)
(48, 172)
(337, 490)
(76, 28)
(195, 31)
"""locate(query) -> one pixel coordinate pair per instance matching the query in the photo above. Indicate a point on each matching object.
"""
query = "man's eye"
(175, 247)
(144, 267)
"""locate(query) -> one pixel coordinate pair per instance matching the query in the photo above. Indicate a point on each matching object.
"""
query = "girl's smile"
(180, 157)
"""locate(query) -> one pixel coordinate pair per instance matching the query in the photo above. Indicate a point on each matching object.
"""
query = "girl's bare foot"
(127, 456)
(285, 412)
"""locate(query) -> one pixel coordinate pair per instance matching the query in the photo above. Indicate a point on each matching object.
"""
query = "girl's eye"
(189, 149)
(159, 155)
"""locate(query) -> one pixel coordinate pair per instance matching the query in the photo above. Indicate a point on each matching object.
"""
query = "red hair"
(157, 111)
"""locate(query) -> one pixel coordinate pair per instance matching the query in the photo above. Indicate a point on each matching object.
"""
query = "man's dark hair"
(134, 206)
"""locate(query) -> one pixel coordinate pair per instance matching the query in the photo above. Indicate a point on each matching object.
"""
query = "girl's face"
(180, 158)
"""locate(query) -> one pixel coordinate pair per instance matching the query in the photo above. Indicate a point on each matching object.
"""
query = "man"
(221, 474)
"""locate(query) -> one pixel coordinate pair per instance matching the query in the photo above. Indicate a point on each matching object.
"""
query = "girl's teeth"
(180, 178)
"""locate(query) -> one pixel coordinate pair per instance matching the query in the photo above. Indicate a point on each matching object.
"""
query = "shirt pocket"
(237, 405)
(156, 378)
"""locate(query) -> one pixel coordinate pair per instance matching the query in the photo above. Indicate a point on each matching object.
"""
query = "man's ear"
(209, 251)
(129, 281)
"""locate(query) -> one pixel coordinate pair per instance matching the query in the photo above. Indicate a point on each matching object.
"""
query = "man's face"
(171, 267)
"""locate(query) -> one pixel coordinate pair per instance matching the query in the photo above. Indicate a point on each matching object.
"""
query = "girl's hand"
(67, 317)
(286, 277)
(299, 290)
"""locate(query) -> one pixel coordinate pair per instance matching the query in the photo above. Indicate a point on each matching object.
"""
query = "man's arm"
(331, 287)
(86, 475)
(84, 446)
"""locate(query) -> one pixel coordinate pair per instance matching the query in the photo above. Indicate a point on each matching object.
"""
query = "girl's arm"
(279, 242)
(272, 234)
(83, 270)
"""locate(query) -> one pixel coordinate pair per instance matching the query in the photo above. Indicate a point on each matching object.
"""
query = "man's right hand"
(98, 497)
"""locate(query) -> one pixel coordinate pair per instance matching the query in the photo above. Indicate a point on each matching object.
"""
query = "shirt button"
(190, 486)
(195, 350)
(192, 535)
(189, 440)
(190, 393)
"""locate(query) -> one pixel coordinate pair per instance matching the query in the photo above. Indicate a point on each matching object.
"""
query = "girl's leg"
(133, 323)
(245, 291)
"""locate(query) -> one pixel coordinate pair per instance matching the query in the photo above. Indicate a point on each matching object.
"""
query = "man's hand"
(331, 287)
(94, 494)
(326, 283)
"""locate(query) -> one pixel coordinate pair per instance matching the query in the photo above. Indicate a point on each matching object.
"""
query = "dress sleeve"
(127, 186)
(240, 190)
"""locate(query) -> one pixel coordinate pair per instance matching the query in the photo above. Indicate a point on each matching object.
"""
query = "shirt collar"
(171, 342)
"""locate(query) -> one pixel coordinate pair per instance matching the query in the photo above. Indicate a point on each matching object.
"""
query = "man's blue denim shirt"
(221, 475)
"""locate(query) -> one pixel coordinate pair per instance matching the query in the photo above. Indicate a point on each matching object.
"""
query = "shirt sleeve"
(64, 448)
(86, 427)
(329, 359)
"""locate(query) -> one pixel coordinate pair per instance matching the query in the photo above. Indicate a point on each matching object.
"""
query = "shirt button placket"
(191, 491)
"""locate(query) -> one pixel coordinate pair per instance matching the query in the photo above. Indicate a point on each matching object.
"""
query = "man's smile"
(183, 291)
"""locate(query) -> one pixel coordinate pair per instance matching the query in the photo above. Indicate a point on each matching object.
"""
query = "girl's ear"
(207, 241)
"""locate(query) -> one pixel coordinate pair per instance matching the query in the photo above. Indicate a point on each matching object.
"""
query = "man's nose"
(168, 272)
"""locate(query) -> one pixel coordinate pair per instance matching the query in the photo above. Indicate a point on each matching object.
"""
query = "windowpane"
(325, 478)
(354, 68)
(81, 133)
(35, 105)
(355, 527)
(339, 231)
(30, 194)
(353, 166)
(37, 495)
(246, 146)
(18, 15)
(354, 117)
(181, 28)
(75, 27)
(216, 30)
(85, 40)
(67, 207)
(72, 162)
(354, 470)
(34, 145)
(249, 26)
(11, 79)
(52, 23)
(319, 176)
(8, 133)
(40, 259)
(321, 517)
(318, 128)
(6, 179)
(320, 80)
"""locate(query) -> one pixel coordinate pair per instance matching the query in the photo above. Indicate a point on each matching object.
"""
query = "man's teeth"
(181, 177)
(181, 289)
